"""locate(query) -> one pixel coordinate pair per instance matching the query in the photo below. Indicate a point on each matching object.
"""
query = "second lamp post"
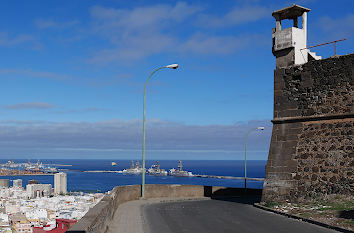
(258, 128)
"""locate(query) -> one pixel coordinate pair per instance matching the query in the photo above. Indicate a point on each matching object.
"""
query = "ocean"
(103, 182)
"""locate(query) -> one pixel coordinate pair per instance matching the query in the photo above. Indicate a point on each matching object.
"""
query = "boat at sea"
(179, 171)
(156, 170)
(39, 167)
(134, 169)
(114, 164)
(10, 164)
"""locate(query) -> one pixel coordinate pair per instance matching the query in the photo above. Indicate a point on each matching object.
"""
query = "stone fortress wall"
(311, 152)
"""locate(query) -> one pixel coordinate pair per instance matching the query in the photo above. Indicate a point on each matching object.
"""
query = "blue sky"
(72, 75)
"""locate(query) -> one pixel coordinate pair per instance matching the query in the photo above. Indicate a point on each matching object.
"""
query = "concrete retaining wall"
(98, 218)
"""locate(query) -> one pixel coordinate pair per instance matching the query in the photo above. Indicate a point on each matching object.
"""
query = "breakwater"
(229, 177)
(195, 175)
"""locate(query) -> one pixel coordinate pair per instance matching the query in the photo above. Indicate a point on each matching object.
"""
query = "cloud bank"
(30, 105)
(126, 135)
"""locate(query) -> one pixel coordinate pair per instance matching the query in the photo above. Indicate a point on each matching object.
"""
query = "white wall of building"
(38, 190)
(60, 183)
(17, 183)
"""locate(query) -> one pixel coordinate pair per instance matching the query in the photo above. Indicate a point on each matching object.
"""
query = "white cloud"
(83, 110)
(142, 18)
(30, 105)
(134, 48)
(138, 32)
(97, 81)
(203, 44)
(35, 74)
(144, 31)
(237, 15)
(337, 28)
(6, 40)
(47, 24)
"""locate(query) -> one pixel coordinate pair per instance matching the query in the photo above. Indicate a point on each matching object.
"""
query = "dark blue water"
(83, 181)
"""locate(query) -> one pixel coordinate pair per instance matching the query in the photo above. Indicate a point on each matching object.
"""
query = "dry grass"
(335, 210)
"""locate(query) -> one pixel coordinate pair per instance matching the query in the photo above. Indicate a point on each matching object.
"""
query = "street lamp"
(258, 128)
(172, 66)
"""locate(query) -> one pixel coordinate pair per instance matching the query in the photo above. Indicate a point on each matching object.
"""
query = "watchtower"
(289, 44)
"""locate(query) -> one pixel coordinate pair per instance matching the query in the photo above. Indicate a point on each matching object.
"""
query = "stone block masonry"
(311, 152)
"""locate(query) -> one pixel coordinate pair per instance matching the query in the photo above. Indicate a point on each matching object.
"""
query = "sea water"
(79, 180)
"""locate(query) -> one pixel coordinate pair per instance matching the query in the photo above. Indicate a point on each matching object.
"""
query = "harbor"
(10, 168)
(193, 175)
(155, 170)
(101, 175)
(39, 169)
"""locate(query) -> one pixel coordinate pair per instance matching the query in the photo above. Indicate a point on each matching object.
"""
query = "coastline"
(51, 174)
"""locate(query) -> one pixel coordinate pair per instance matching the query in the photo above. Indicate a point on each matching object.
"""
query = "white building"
(17, 183)
(4, 192)
(4, 218)
(4, 183)
(12, 208)
(36, 214)
(60, 183)
(20, 213)
(38, 190)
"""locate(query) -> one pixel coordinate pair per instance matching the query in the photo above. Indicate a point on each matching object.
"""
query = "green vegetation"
(332, 209)
(350, 222)
(306, 214)
(339, 206)
(271, 204)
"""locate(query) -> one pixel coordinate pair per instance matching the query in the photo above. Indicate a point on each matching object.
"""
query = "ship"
(114, 164)
(34, 167)
(11, 164)
(134, 169)
(179, 171)
(156, 170)
(39, 167)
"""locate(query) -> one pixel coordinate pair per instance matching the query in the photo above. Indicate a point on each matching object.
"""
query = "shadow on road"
(239, 195)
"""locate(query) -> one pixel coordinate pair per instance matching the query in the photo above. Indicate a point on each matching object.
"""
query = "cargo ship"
(156, 170)
(179, 171)
(134, 169)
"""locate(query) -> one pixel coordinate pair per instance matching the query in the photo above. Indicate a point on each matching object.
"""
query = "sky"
(73, 73)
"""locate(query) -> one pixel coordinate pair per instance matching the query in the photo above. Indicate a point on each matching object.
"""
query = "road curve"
(214, 216)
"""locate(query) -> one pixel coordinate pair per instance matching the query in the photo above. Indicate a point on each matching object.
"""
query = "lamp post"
(172, 66)
(258, 128)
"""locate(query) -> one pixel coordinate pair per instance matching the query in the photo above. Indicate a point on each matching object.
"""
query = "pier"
(11, 172)
(228, 177)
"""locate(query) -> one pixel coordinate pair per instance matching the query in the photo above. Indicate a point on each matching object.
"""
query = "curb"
(257, 205)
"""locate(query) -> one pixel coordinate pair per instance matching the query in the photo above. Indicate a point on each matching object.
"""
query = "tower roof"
(290, 12)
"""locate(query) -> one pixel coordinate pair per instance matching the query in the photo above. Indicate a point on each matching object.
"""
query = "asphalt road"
(214, 216)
